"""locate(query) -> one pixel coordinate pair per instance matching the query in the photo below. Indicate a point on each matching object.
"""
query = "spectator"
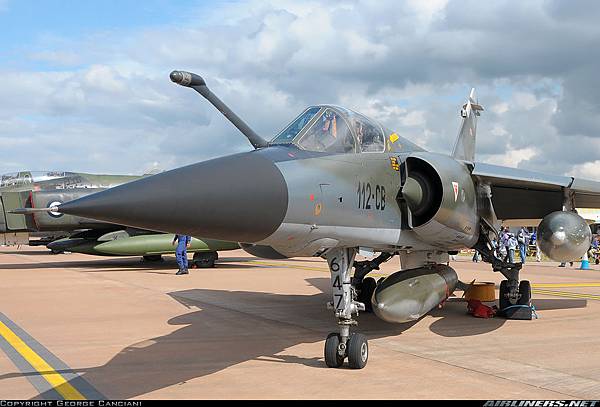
(523, 241)
(512, 246)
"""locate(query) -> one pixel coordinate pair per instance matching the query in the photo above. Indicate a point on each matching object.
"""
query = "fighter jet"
(333, 182)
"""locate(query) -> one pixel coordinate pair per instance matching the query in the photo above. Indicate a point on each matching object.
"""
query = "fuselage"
(278, 199)
(331, 178)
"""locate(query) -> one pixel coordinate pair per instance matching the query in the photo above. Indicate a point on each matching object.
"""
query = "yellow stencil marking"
(565, 285)
(567, 294)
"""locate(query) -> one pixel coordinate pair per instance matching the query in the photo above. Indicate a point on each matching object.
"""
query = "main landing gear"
(203, 260)
(512, 291)
(350, 295)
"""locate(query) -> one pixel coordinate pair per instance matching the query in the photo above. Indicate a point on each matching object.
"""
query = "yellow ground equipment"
(481, 291)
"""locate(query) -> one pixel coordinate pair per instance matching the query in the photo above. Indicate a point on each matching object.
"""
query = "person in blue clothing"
(183, 242)
(523, 241)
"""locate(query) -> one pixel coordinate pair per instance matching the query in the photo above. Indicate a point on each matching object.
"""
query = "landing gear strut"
(366, 285)
(344, 344)
(204, 260)
(512, 292)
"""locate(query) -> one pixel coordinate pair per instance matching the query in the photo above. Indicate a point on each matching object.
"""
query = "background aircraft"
(334, 181)
(59, 232)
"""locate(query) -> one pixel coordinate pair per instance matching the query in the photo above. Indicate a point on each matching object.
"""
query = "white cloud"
(588, 170)
(512, 157)
(107, 105)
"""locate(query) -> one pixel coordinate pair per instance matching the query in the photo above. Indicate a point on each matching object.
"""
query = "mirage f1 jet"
(334, 181)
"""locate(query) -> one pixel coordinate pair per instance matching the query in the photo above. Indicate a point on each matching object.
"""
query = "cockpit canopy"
(334, 129)
(52, 180)
(22, 178)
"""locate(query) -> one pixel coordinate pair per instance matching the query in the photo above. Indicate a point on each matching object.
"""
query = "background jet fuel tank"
(159, 244)
(121, 244)
(407, 295)
(74, 245)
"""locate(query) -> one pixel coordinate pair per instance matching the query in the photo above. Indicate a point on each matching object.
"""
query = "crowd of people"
(508, 243)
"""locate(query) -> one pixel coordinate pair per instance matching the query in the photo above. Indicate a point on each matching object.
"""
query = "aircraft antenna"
(191, 80)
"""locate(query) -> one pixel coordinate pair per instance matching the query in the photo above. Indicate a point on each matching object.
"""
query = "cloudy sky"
(84, 85)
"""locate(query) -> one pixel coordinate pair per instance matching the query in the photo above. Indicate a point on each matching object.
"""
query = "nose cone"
(240, 198)
(413, 193)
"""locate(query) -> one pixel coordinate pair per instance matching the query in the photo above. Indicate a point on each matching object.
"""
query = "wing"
(520, 194)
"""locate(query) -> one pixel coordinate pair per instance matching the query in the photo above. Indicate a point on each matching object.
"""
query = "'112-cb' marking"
(369, 197)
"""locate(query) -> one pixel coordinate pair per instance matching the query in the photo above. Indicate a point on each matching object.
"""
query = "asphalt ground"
(76, 326)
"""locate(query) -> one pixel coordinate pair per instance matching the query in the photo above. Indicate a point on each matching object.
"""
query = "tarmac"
(76, 326)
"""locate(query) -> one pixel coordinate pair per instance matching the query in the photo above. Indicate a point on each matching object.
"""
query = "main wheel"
(332, 357)
(525, 291)
(358, 351)
(366, 292)
(204, 260)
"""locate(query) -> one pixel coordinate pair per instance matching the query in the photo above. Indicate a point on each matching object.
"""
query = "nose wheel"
(356, 349)
(335, 353)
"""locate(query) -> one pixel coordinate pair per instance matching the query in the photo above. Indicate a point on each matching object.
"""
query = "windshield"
(334, 129)
(291, 131)
(329, 133)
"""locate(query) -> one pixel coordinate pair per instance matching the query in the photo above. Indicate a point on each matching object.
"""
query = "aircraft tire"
(205, 260)
(525, 291)
(332, 357)
(358, 351)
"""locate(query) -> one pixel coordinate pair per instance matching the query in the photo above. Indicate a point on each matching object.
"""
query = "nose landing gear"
(342, 345)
